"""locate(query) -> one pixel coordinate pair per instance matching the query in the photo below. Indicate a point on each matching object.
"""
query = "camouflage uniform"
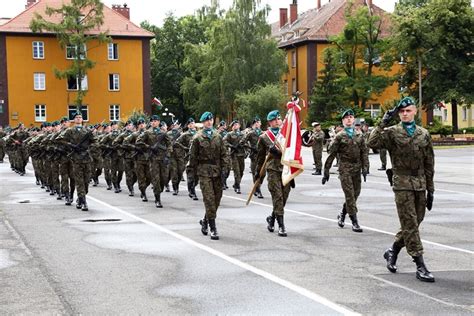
(182, 145)
(141, 159)
(413, 169)
(250, 141)
(2, 145)
(317, 140)
(107, 150)
(177, 160)
(119, 162)
(128, 159)
(237, 154)
(97, 163)
(383, 158)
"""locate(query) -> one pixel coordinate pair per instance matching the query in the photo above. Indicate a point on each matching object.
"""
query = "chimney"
(123, 10)
(29, 3)
(283, 16)
(318, 5)
(293, 11)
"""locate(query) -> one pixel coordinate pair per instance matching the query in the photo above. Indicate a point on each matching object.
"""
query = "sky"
(156, 10)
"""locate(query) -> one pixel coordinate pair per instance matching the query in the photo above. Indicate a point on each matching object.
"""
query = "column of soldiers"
(67, 157)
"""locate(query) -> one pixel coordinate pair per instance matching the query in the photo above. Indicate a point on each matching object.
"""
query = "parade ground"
(126, 257)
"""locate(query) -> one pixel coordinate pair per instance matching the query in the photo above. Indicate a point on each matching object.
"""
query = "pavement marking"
(416, 292)
(365, 227)
(291, 286)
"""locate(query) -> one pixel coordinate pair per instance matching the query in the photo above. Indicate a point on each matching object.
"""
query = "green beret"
(105, 125)
(347, 113)
(190, 120)
(234, 122)
(206, 116)
(256, 119)
(273, 115)
(55, 123)
(64, 119)
(113, 123)
(154, 118)
(222, 123)
(47, 124)
(406, 101)
(76, 114)
(141, 120)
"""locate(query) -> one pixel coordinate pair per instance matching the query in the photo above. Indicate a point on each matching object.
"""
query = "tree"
(361, 49)
(326, 97)
(240, 55)
(258, 101)
(439, 34)
(78, 26)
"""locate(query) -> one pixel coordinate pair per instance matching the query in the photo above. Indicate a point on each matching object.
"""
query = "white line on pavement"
(295, 288)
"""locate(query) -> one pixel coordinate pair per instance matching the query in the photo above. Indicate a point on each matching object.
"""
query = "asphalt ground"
(128, 257)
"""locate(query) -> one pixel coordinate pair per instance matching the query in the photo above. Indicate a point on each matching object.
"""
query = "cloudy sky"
(155, 11)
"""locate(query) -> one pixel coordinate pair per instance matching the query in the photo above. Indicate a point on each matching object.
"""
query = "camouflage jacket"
(173, 135)
(80, 139)
(108, 150)
(233, 141)
(208, 156)
(263, 146)
(353, 153)
(412, 157)
(156, 143)
(182, 144)
(317, 140)
(250, 141)
(133, 152)
(117, 143)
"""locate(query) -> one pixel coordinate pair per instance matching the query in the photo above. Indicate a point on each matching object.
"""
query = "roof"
(115, 24)
(319, 25)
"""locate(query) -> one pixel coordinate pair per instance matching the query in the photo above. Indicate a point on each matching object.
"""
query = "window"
(445, 115)
(40, 113)
(464, 113)
(84, 110)
(114, 82)
(114, 112)
(71, 51)
(285, 87)
(73, 83)
(39, 79)
(38, 50)
(293, 85)
(113, 51)
(374, 110)
(293, 59)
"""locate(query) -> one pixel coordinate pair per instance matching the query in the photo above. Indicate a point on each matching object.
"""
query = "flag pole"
(259, 180)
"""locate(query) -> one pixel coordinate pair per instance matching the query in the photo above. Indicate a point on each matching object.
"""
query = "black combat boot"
(60, 196)
(214, 233)
(116, 188)
(382, 168)
(79, 203)
(130, 191)
(317, 172)
(143, 196)
(167, 188)
(355, 224)
(175, 189)
(158, 201)
(68, 198)
(237, 188)
(192, 192)
(271, 223)
(259, 193)
(422, 272)
(203, 222)
(109, 185)
(96, 182)
(391, 255)
(281, 226)
(37, 181)
(53, 192)
(84, 205)
(341, 217)
(47, 188)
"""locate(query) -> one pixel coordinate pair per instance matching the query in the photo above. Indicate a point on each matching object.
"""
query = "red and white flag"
(291, 142)
(157, 102)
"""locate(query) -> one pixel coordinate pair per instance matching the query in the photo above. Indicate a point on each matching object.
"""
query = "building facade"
(31, 94)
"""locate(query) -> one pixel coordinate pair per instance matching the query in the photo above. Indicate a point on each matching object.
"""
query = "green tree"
(361, 49)
(439, 36)
(80, 20)
(239, 55)
(326, 97)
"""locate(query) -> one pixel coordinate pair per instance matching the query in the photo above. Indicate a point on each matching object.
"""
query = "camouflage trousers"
(81, 177)
(318, 157)
(48, 172)
(2, 151)
(116, 170)
(253, 168)
(238, 166)
(411, 212)
(67, 178)
(130, 174)
(383, 156)
(55, 183)
(351, 185)
(96, 167)
(211, 188)
(107, 163)
(177, 167)
(36, 168)
(159, 175)
(142, 169)
(278, 192)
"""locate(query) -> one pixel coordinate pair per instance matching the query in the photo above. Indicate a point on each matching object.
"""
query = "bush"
(437, 128)
(469, 130)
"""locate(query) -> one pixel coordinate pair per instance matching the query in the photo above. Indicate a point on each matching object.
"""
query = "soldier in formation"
(317, 144)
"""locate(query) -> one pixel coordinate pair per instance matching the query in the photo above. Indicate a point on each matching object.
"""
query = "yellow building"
(304, 36)
(29, 91)
(444, 114)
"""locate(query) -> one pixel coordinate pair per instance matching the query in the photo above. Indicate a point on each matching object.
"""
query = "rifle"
(78, 148)
(157, 146)
(259, 180)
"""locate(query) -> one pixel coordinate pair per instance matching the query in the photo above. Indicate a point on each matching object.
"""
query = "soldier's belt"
(409, 172)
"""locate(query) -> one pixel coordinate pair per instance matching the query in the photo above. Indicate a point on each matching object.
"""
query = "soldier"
(267, 145)
(412, 156)
(2, 143)
(250, 141)
(383, 159)
(127, 164)
(183, 143)
(96, 155)
(353, 160)
(233, 141)
(116, 161)
(317, 144)
(142, 166)
(65, 167)
(177, 159)
(222, 130)
(54, 159)
(207, 158)
(16, 144)
(79, 139)
(157, 143)
(105, 147)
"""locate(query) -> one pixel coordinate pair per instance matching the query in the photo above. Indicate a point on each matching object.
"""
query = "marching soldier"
(79, 139)
(207, 159)
(183, 143)
(222, 130)
(104, 144)
(96, 155)
(353, 159)
(66, 167)
(412, 156)
(121, 158)
(317, 144)
(177, 159)
(250, 141)
(157, 143)
(233, 141)
(267, 146)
